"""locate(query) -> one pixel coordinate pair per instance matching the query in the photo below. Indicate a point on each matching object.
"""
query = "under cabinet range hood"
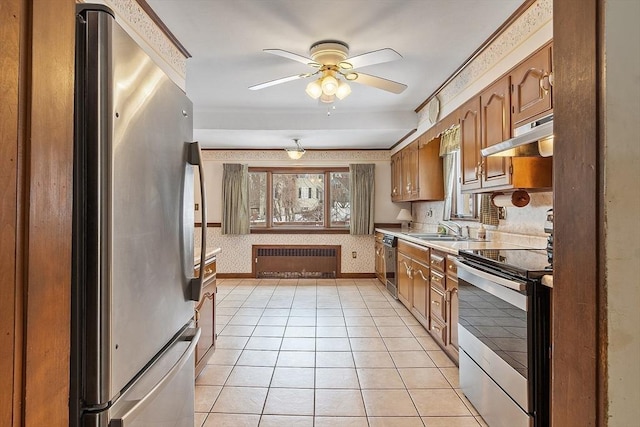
(535, 139)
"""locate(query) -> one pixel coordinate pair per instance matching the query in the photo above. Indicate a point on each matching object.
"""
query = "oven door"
(493, 333)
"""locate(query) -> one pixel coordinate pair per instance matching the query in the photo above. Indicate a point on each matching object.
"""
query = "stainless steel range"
(504, 335)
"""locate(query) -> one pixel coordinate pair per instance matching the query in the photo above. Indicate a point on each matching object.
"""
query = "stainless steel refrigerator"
(133, 336)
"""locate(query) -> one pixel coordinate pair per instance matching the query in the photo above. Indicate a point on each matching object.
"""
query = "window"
(463, 206)
(296, 198)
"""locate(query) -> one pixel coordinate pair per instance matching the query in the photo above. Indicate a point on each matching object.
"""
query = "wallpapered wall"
(236, 250)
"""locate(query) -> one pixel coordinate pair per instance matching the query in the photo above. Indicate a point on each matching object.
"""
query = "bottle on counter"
(482, 233)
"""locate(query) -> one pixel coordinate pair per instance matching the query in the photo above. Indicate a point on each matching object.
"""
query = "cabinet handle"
(435, 278)
(409, 270)
(208, 271)
(422, 275)
(436, 303)
(545, 83)
(436, 328)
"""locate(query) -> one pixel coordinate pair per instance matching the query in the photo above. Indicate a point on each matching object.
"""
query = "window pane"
(463, 205)
(258, 199)
(340, 207)
(297, 199)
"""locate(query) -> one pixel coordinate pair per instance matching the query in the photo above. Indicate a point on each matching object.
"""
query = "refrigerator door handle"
(194, 157)
(136, 407)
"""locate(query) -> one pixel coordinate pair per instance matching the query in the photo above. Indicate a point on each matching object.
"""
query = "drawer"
(452, 268)
(417, 252)
(209, 271)
(438, 331)
(438, 260)
(438, 281)
(437, 302)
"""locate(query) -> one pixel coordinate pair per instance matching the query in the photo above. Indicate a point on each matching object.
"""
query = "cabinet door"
(379, 262)
(205, 320)
(495, 125)
(430, 178)
(452, 312)
(470, 144)
(396, 177)
(410, 172)
(419, 305)
(405, 279)
(530, 90)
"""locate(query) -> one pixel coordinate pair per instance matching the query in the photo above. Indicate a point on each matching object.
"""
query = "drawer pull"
(436, 278)
(436, 303)
(450, 266)
(208, 271)
(435, 328)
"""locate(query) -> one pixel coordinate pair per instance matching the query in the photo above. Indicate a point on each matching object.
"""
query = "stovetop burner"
(524, 263)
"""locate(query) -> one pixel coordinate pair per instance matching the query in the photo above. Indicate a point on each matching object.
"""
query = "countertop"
(210, 254)
(451, 247)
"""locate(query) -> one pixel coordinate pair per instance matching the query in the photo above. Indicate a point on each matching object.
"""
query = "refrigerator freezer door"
(162, 396)
(138, 221)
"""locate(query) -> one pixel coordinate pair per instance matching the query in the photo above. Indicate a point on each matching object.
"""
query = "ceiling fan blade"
(278, 81)
(380, 83)
(373, 57)
(293, 56)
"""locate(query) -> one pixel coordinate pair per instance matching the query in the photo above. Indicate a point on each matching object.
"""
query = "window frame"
(327, 228)
(457, 194)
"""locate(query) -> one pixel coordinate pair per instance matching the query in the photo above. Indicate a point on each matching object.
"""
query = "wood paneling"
(12, 15)
(577, 233)
(47, 198)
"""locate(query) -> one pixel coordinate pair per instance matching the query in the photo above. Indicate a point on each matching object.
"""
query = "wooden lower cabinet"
(428, 287)
(405, 278)
(413, 280)
(380, 267)
(205, 316)
(419, 305)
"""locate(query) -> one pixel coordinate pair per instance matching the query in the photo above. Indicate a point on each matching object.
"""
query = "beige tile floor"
(324, 353)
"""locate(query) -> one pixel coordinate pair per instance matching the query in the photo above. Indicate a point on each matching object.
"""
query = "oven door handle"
(511, 284)
(497, 286)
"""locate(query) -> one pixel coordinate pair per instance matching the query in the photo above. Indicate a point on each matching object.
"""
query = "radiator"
(320, 262)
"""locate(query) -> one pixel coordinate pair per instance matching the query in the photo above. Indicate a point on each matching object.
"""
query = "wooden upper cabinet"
(531, 88)
(470, 144)
(410, 188)
(396, 177)
(495, 124)
(430, 178)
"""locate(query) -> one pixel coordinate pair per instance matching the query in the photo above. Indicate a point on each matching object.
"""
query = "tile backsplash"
(523, 226)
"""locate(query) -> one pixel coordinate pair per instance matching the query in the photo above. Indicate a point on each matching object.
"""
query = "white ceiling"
(226, 39)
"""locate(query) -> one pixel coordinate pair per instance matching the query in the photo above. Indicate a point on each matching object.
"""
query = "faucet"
(457, 231)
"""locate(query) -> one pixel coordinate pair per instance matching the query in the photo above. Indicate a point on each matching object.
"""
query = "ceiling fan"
(330, 58)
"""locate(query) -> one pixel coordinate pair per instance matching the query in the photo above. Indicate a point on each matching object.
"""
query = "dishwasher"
(390, 244)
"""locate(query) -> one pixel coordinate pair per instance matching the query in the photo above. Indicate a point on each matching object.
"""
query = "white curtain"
(235, 199)
(449, 149)
(362, 191)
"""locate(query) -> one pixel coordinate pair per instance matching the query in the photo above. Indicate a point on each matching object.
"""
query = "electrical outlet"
(502, 213)
(354, 254)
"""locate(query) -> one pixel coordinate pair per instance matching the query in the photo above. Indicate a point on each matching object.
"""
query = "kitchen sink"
(441, 237)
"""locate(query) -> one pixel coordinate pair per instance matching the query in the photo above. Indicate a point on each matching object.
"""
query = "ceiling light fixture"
(295, 153)
(329, 87)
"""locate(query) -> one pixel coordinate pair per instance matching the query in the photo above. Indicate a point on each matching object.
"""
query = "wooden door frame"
(579, 298)
(36, 145)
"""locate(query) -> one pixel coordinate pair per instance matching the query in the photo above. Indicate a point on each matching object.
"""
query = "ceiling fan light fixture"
(345, 65)
(343, 90)
(327, 99)
(329, 85)
(314, 89)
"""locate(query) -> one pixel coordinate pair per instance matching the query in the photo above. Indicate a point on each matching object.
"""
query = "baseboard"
(251, 276)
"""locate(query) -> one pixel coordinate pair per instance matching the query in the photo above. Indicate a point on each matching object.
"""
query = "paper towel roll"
(518, 199)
